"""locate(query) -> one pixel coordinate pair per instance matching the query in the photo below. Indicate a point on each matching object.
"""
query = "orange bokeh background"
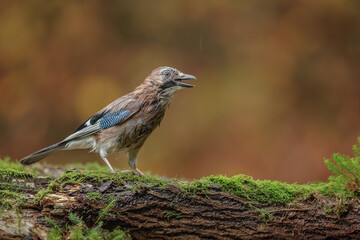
(277, 90)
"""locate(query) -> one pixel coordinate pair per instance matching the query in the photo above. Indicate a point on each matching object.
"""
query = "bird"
(126, 123)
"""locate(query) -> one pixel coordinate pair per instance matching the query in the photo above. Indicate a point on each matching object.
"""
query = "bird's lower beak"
(184, 77)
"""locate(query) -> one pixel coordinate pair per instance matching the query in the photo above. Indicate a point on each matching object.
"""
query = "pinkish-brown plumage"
(127, 122)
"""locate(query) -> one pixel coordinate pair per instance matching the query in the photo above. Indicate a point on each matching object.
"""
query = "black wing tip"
(93, 119)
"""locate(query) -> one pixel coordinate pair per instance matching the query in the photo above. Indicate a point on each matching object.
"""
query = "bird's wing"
(117, 112)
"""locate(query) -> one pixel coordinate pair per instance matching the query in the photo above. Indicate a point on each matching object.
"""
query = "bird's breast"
(132, 133)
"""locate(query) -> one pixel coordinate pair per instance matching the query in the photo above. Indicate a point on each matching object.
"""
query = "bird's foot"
(138, 171)
(131, 172)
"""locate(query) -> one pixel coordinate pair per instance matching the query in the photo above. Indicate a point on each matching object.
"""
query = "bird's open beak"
(182, 77)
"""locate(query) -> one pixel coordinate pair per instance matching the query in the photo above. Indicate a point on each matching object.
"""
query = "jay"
(127, 122)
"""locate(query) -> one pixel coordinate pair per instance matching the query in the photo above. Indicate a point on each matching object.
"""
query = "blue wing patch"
(112, 118)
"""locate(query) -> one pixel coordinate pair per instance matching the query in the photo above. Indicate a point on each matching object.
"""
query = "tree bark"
(170, 213)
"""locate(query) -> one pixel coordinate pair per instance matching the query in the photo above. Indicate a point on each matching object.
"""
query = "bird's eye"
(166, 74)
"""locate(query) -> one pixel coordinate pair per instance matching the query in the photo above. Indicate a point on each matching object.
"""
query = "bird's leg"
(133, 160)
(107, 163)
(103, 155)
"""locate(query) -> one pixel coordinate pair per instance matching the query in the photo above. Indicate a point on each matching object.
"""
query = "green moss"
(14, 201)
(248, 188)
(79, 176)
(40, 194)
(346, 168)
(336, 186)
(267, 191)
(146, 180)
(6, 163)
(9, 174)
(89, 166)
(74, 219)
(339, 208)
(16, 169)
(106, 209)
(265, 215)
(11, 187)
(253, 190)
(55, 234)
(77, 230)
(136, 182)
(53, 185)
(93, 196)
(56, 231)
(118, 234)
(9, 199)
(10, 193)
(171, 214)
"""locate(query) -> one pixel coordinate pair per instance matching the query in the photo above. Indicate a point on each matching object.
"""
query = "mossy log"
(156, 208)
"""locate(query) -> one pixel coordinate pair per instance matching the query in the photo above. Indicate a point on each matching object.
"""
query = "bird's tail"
(37, 156)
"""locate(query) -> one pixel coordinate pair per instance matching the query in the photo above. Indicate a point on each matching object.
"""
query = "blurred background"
(277, 90)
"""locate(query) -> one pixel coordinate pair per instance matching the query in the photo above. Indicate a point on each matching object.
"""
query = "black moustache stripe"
(167, 85)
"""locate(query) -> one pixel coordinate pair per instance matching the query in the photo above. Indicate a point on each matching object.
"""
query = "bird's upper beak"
(184, 76)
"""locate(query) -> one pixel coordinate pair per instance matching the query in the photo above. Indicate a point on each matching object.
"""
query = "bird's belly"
(129, 135)
(133, 138)
(124, 137)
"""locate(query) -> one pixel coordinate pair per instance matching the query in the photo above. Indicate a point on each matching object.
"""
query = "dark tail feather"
(37, 156)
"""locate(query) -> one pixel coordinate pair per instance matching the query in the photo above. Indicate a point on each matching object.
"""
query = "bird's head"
(168, 80)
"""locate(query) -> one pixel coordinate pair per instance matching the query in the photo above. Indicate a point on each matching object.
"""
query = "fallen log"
(82, 203)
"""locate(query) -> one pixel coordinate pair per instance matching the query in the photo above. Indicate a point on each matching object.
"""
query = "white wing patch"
(86, 131)
(88, 123)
